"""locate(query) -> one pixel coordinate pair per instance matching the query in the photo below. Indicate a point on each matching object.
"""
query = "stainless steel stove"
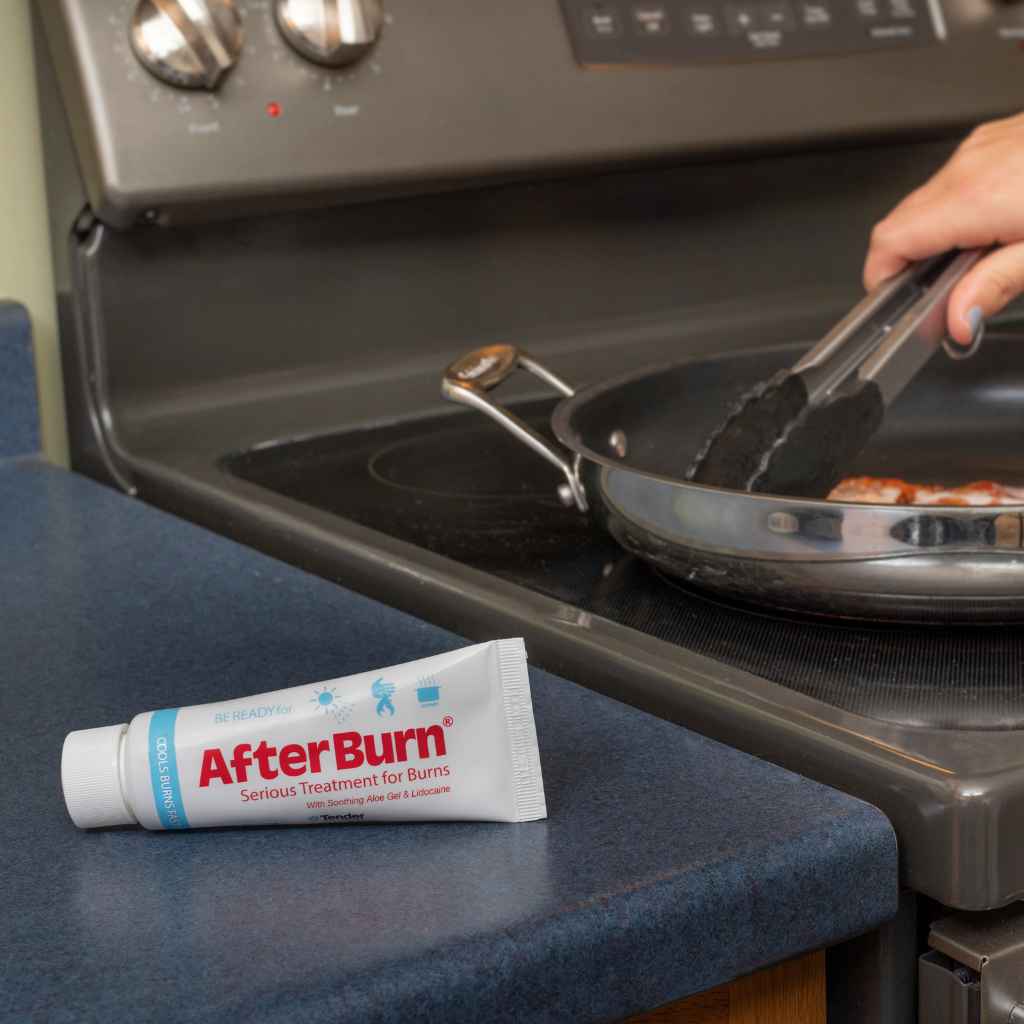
(261, 282)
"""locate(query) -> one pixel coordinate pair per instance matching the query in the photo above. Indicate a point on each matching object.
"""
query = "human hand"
(976, 200)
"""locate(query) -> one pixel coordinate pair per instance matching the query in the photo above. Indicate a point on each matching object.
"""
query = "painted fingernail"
(976, 321)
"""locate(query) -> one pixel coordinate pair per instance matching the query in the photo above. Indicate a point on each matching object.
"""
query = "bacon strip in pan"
(876, 490)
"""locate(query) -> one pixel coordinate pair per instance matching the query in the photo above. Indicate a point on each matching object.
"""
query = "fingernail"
(976, 322)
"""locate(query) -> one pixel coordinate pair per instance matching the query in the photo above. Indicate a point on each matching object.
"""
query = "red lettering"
(293, 759)
(435, 732)
(401, 739)
(214, 768)
(263, 753)
(240, 761)
(351, 750)
(387, 753)
(316, 748)
(347, 750)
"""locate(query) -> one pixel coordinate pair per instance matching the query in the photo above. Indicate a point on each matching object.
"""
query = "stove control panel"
(184, 110)
(651, 32)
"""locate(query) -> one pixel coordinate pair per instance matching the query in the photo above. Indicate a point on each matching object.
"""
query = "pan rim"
(562, 415)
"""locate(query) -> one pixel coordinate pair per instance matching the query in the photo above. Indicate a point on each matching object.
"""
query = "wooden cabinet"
(789, 993)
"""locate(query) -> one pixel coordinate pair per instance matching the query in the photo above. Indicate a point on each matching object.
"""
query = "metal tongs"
(797, 433)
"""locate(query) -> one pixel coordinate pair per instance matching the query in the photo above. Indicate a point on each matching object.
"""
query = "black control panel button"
(891, 33)
(869, 9)
(650, 20)
(741, 18)
(601, 21)
(902, 9)
(815, 14)
(703, 22)
(766, 39)
(777, 14)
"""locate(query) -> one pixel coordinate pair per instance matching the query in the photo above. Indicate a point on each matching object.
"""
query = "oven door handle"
(468, 381)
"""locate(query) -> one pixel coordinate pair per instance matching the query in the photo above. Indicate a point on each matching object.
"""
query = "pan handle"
(468, 381)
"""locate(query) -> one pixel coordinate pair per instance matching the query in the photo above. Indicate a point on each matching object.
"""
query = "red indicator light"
(273, 109)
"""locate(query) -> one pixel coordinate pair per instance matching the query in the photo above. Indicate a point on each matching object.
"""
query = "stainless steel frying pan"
(624, 446)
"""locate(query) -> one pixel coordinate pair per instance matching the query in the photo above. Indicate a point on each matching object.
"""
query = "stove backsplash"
(596, 274)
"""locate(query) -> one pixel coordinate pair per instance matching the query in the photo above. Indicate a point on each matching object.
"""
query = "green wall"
(25, 269)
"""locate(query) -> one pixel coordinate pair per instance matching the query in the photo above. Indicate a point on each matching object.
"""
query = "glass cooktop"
(459, 486)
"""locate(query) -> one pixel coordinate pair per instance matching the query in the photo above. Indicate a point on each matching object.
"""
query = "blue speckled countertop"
(669, 863)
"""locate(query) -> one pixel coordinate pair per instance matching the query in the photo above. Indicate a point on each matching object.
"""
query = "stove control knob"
(189, 43)
(330, 32)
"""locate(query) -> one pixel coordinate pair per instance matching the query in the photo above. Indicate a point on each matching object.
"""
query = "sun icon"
(326, 700)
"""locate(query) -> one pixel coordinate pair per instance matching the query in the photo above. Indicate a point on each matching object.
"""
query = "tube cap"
(91, 778)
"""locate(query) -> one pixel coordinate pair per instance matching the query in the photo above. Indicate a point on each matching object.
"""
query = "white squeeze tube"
(447, 738)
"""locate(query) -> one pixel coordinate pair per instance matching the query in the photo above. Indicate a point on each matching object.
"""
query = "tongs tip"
(785, 440)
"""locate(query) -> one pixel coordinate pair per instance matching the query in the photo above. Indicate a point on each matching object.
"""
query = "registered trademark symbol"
(447, 721)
